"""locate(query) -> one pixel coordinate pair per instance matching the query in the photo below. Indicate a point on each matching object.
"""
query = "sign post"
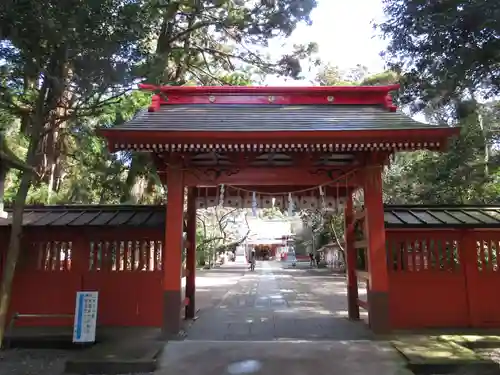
(85, 325)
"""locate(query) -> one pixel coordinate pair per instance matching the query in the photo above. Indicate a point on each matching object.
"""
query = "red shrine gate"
(264, 138)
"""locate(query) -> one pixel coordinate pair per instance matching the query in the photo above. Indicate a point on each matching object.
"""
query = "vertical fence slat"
(489, 265)
(142, 255)
(495, 256)
(484, 247)
(425, 255)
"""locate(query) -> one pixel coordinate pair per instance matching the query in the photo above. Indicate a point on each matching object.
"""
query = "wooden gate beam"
(270, 176)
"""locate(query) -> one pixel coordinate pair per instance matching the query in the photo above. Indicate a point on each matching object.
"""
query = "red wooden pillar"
(172, 250)
(191, 254)
(378, 292)
(352, 280)
(468, 258)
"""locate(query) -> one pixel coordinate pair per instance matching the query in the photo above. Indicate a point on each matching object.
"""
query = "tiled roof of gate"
(91, 215)
(442, 216)
(154, 216)
(255, 117)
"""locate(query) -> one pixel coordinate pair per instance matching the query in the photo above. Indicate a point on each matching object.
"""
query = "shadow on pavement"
(276, 304)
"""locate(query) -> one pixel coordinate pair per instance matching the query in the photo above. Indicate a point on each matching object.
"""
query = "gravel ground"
(493, 354)
(32, 362)
(35, 362)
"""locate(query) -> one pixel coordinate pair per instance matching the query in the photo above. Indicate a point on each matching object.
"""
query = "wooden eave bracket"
(389, 104)
(155, 103)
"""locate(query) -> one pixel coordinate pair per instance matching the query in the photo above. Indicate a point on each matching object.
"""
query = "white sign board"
(85, 317)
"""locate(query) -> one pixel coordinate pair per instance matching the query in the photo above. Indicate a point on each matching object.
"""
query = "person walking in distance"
(252, 259)
(318, 259)
(311, 259)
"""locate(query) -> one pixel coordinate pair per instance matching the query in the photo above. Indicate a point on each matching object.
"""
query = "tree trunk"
(50, 182)
(35, 126)
(14, 243)
(155, 76)
(484, 133)
(136, 165)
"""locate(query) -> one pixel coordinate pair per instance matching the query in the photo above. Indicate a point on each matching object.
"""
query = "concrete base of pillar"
(352, 302)
(378, 313)
(190, 310)
(172, 305)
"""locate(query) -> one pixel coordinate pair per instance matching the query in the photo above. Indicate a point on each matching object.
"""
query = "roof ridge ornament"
(389, 103)
(155, 103)
(282, 95)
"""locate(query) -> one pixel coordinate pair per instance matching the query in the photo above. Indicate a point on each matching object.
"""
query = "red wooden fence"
(443, 278)
(483, 280)
(125, 267)
(438, 278)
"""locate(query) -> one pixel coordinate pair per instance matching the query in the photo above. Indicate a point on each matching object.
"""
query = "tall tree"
(198, 38)
(83, 55)
(448, 55)
(444, 48)
(458, 176)
(203, 41)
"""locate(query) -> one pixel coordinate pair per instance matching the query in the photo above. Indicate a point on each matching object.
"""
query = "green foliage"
(331, 75)
(320, 229)
(446, 54)
(455, 177)
(93, 175)
(217, 43)
(388, 77)
(201, 41)
(445, 48)
(69, 79)
(88, 48)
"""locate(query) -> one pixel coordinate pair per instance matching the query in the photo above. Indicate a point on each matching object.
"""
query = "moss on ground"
(421, 350)
(466, 339)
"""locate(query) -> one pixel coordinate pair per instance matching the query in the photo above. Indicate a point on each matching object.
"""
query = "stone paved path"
(274, 303)
(278, 320)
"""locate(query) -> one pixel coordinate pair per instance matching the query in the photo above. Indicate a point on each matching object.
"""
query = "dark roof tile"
(85, 218)
(463, 217)
(406, 217)
(442, 216)
(48, 218)
(154, 216)
(103, 218)
(121, 218)
(251, 117)
(494, 213)
(390, 218)
(157, 218)
(140, 218)
(32, 217)
(426, 217)
(67, 218)
(93, 215)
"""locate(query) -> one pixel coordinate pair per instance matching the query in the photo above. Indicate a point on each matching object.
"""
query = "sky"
(345, 36)
(344, 33)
